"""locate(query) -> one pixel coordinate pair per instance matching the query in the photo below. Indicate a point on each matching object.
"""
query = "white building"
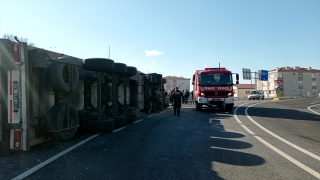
(174, 81)
(292, 81)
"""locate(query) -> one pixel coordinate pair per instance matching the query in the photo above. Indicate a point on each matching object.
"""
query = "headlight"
(229, 94)
(202, 94)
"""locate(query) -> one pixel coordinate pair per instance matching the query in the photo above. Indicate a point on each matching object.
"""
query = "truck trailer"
(47, 95)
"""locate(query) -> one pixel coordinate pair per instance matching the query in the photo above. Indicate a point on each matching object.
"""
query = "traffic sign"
(278, 88)
(263, 75)
(246, 74)
(278, 81)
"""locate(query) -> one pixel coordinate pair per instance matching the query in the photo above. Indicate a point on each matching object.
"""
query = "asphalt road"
(258, 140)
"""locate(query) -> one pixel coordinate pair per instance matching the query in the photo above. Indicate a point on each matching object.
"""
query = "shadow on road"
(279, 113)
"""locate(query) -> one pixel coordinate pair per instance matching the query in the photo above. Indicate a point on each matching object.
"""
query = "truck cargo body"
(40, 87)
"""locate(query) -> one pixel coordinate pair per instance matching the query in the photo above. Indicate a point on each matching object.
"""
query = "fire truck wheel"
(131, 117)
(229, 107)
(131, 71)
(120, 121)
(95, 64)
(198, 106)
(95, 126)
(120, 68)
(60, 77)
(57, 120)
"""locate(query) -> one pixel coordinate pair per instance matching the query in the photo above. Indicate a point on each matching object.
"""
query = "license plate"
(217, 99)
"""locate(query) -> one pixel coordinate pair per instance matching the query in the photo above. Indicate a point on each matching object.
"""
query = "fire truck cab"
(214, 86)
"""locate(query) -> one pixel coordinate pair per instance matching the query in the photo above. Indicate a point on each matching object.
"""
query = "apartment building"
(291, 81)
(174, 81)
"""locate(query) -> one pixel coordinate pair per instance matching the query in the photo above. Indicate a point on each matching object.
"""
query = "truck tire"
(119, 121)
(131, 71)
(57, 120)
(120, 68)
(229, 107)
(198, 106)
(95, 126)
(95, 64)
(131, 117)
(59, 77)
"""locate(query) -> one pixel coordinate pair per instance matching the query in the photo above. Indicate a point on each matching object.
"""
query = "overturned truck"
(47, 95)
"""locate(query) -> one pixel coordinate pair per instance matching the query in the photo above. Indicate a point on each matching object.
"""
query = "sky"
(173, 37)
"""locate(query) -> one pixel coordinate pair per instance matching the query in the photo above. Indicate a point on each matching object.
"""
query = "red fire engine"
(214, 86)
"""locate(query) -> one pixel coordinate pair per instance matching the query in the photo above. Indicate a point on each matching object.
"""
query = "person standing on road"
(186, 96)
(170, 94)
(177, 96)
(192, 101)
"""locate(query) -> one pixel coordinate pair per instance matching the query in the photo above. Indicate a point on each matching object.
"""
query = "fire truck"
(47, 95)
(214, 86)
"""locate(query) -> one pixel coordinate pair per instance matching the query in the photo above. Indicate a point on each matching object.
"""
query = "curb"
(279, 99)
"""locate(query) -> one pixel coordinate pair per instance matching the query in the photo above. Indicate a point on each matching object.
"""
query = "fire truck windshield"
(216, 79)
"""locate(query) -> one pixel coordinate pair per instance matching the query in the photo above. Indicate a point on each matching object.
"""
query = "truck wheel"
(119, 121)
(120, 68)
(131, 71)
(95, 126)
(95, 64)
(131, 117)
(228, 107)
(198, 106)
(57, 120)
(60, 77)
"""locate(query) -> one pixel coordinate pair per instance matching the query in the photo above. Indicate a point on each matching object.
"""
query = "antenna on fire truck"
(109, 52)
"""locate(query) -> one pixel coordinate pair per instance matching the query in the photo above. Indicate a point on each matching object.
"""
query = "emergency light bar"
(216, 69)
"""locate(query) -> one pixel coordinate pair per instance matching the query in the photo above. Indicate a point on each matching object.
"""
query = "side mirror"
(237, 82)
(237, 77)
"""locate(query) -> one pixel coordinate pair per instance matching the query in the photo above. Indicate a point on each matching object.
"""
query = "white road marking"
(313, 110)
(138, 121)
(118, 129)
(280, 138)
(294, 161)
(247, 129)
(41, 165)
(150, 116)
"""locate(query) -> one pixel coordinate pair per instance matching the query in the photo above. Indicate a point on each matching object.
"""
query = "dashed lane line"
(281, 153)
(119, 129)
(280, 138)
(138, 121)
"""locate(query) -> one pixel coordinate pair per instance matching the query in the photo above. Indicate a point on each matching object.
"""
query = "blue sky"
(173, 37)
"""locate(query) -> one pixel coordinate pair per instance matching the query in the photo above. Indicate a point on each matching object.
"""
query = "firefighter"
(177, 97)
(171, 92)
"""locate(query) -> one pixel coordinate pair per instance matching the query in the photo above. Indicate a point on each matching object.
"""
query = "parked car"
(256, 94)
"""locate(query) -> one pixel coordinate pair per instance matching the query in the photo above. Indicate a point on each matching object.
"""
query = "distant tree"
(22, 39)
